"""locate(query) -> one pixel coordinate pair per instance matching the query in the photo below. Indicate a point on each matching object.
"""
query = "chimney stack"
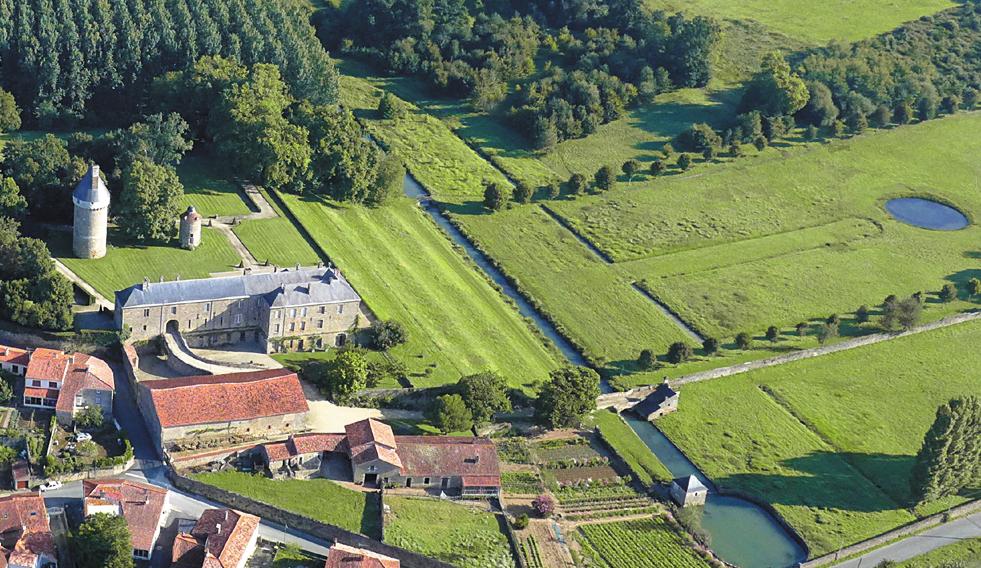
(146, 283)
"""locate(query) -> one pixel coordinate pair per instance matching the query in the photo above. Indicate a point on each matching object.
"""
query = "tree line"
(598, 56)
(71, 60)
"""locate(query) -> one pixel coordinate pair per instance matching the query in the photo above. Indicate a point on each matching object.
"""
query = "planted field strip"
(529, 551)
(624, 442)
(573, 495)
(521, 483)
(577, 474)
(649, 543)
(617, 513)
(579, 452)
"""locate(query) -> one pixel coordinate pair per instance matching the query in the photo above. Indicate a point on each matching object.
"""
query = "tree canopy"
(103, 541)
(568, 395)
(950, 458)
(485, 394)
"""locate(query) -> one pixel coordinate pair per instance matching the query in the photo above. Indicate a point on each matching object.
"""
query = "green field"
(829, 441)
(452, 532)
(208, 191)
(967, 552)
(406, 270)
(815, 22)
(647, 543)
(276, 241)
(318, 499)
(630, 448)
(127, 264)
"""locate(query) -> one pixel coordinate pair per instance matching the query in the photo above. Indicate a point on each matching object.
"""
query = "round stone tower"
(91, 198)
(190, 233)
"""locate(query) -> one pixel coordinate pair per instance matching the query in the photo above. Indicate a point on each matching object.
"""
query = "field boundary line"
(625, 399)
(575, 232)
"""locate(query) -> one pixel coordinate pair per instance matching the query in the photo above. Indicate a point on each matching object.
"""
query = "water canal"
(742, 533)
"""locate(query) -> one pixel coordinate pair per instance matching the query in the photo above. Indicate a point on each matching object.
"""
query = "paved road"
(950, 533)
(149, 469)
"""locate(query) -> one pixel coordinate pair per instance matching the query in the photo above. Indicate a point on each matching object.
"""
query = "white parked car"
(83, 437)
(50, 485)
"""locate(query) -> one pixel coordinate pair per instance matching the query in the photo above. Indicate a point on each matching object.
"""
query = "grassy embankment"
(467, 537)
(966, 551)
(830, 441)
(630, 448)
(406, 270)
(318, 499)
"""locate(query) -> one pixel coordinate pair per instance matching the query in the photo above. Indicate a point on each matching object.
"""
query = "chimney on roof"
(217, 528)
(95, 172)
(161, 279)
(178, 279)
(146, 284)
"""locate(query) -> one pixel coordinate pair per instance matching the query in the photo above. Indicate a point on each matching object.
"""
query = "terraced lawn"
(207, 189)
(406, 270)
(452, 532)
(815, 439)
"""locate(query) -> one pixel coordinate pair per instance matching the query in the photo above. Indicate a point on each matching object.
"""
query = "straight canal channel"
(742, 533)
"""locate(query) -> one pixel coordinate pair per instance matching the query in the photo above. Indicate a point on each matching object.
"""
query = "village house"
(13, 360)
(344, 556)
(378, 457)
(67, 383)
(25, 533)
(20, 472)
(143, 506)
(661, 401)
(221, 538)
(298, 309)
(258, 405)
(688, 491)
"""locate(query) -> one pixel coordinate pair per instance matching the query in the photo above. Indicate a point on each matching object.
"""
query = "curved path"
(961, 529)
(224, 224)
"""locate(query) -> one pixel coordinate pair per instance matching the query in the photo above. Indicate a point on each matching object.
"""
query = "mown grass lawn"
(276, 241)
(207, 189)
(406, 270)
(452, 532)
(318, 499)
(815, 22)
(630, 447)
(126, 264)
(841, 474)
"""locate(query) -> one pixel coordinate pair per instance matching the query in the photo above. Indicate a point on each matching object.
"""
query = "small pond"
(742, 533)
(926, 214)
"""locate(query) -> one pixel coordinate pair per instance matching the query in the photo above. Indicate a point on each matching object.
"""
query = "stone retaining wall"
(885, 538)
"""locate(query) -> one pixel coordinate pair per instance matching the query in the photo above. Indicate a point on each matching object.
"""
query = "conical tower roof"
(91, 189)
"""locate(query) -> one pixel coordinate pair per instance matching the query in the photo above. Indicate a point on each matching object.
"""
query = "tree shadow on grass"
(829, 480)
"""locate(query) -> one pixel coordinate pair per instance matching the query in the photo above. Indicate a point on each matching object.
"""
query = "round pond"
(926, 214)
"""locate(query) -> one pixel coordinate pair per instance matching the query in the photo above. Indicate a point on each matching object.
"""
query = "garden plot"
(647, 543)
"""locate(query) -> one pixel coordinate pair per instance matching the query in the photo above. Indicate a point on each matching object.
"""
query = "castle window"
(207, 307)
(146, 313)
(303, 326)
(276, 328)
(320, 324)
(340, 309)
(292, 327)
(303, 312)
(173, 310)
(323, 309)
(237, 318)
(293, 313)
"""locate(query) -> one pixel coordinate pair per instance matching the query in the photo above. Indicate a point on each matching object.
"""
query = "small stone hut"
(190, 229)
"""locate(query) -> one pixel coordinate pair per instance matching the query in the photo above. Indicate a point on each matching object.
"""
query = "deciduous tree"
(151, 199)
(495, 198)
(485, 394)
(103, 541)
(569, 394)
(450, 414)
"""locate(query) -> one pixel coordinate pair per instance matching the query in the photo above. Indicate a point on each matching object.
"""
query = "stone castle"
(285, 310)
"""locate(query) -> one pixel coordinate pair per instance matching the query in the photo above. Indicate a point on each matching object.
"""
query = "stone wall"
(324, 532)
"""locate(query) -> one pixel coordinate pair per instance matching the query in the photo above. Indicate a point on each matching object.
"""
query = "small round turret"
(91, 199)
(190, 230)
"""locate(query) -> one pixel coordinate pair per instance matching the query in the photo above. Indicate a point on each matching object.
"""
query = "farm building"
(221, 538)
(688, 491)
(378, 457)
(661, 401)
(259, 405)
(344, 556)
(285, 310)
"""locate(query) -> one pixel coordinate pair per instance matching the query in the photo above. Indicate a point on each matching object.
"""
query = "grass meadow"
(451, 532)
(967, 551)
(628, 445)
(207, 189)
(820, 22)
(829, 441)
(406, 270)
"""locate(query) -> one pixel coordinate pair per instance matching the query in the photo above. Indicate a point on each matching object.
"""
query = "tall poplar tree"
(950, 458)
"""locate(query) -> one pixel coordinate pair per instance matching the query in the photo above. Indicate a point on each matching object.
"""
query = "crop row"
(648, 543)
(532, 556)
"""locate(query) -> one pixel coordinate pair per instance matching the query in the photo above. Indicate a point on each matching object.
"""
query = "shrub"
(710, 345)
(521, 521)
(698, 138)
(679, 352)
(744, 340)
(386, 334)
(544, 505)
(948, 293)
(90, 417)
(646, 359)
(772, 333)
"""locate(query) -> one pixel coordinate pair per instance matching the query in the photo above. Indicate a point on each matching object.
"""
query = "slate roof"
(139, 503)
(652, 403)
(690, 484)
(209, 399)
(283, 288)
(446, 456)
(344, 556)
(91, 188)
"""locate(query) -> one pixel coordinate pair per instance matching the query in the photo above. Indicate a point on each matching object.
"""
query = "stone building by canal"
(285, 310)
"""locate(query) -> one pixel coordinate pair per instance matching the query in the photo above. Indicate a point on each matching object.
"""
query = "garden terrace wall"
(322, 531)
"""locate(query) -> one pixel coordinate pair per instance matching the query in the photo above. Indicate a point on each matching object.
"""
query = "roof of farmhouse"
(295, 287)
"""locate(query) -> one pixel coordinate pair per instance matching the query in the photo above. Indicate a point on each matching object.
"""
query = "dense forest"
(579, 63)
(68, 60)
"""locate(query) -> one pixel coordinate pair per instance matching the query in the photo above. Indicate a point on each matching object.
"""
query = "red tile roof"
(303, 444)
(48, 365)
(41, 392)
(226, 535)
(13, 355)
(85, 373)
(25, 529)
(140, 504)
(369, 430)
(209, 399)
(443, 456)
(186, 552)
(343, 556)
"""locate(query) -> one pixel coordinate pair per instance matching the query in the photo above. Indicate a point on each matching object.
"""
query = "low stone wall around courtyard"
(326, 533)
(94, 473)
